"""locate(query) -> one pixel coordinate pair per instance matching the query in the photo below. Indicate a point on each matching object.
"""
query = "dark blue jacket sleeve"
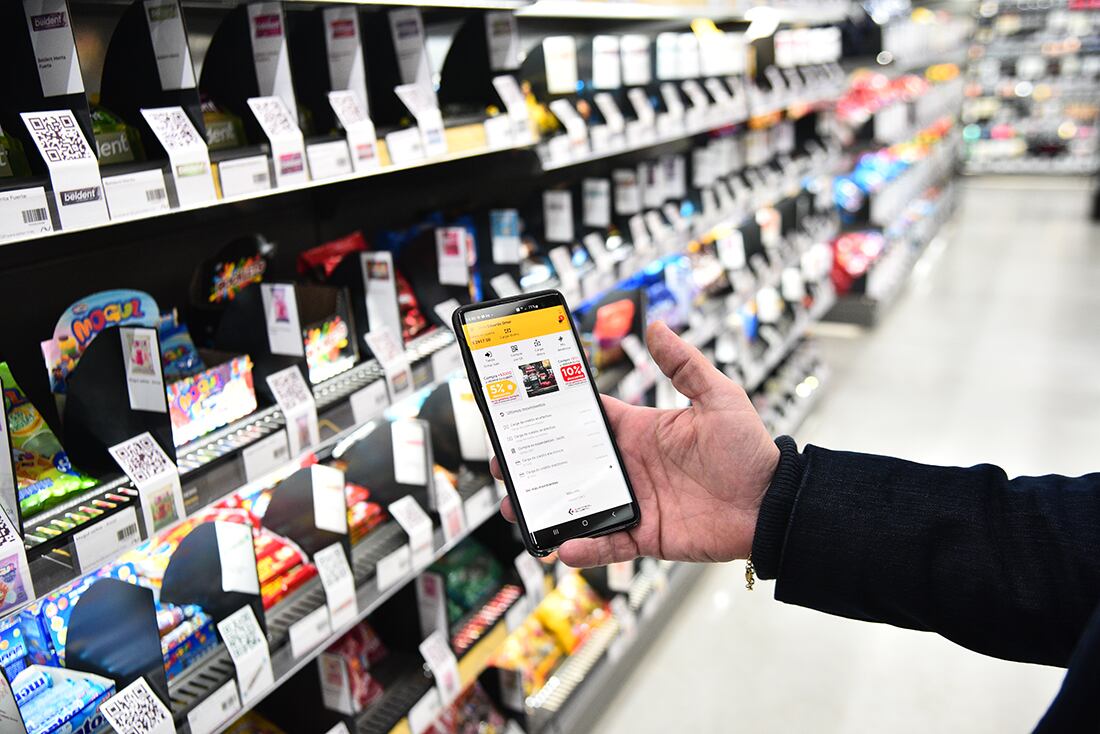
(1006, 567)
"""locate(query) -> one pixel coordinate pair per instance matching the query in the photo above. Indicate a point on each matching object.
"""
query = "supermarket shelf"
(777, 354)
(865, 310)
(614, 10)
(272, 192)
(213, 467)
(579, 691)
(215, 671)
(622, 148)
(1034, 165)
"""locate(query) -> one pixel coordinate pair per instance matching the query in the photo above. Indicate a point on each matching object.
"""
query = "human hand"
(699, 473)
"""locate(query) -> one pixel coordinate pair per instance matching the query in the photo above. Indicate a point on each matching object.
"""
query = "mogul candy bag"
(43, 473)
(82, 321)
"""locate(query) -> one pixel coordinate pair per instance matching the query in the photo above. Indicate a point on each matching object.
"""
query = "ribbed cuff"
(776, 508)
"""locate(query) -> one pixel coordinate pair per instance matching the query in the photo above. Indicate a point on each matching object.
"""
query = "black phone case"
(475, 383)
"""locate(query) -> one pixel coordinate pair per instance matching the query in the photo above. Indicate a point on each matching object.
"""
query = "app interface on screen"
(546, 416)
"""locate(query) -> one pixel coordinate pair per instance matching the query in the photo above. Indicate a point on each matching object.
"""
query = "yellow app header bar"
(514, 327)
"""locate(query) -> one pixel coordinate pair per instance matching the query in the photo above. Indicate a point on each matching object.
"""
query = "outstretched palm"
(699, 473)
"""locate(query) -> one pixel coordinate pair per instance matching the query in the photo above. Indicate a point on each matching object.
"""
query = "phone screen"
(544, 409)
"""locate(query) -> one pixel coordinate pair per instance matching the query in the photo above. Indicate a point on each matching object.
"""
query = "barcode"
(126, 532)
(35, 216)
(259, 178)
(342, 162)
(152, 195)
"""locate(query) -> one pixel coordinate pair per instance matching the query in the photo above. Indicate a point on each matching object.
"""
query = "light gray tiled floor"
(991, 355)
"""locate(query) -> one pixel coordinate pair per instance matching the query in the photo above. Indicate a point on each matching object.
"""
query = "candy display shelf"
(206, 679)
(682, 131)
(393, 168)
(809, 13)
(1035, 165)
(888, 276)
(573, 697)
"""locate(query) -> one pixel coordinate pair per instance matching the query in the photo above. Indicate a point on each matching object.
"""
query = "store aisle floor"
(990, 355)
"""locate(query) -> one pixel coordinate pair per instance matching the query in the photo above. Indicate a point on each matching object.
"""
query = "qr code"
(347, 108)
(241, 632)
(173, 128)
(289, 387)
(134, 711)
(273, 116)
(7, 530)
(142, 458)
(58, 136)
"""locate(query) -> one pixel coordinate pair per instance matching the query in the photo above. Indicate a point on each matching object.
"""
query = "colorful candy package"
(85, 319)
(43, 473)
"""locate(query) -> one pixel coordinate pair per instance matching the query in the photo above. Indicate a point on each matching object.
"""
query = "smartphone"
(546, 422)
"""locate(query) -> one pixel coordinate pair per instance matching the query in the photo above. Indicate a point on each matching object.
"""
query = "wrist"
(775, 508)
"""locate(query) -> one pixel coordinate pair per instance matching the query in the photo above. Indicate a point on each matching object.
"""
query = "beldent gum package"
(43, 473)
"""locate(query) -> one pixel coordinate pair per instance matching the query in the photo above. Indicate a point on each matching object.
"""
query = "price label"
(597, 202)
(248, 649)
(74, 170)
(296, 401)
(369, 402)
(137, 710)
(575, 127)
(215, 710)
(405, 146)
(269, 53)
(330, 509)
(340, 728)
(731, 249)
(425, 712)
(188, 158)
(516, 105)
(144, 380)
(288, 147)
(106, 539)
(449, 504)
(620, 576)
(498, 132)
(418, 526)
(137, 194)
(480, 506)
(332, 567)
(344, 47)
(516, 614)
(606, 64)
(612, 115)
(265, 456)
(385, 347)
(643, 108)
(54, 47)
(157, 480)
(444, 310)
(504, 232)
(446, 361)
(328, 160)
(411, 451)
(420, 101)
(557, 208)
(237, 557)
(361, 136)
(560, 55)
(244, 176)
(437, 653)
(533, 577)
(284, 331)
(394, 567)
(673, 102)
(505, 285)
(309, 632)
(24, 213)
(452, 247)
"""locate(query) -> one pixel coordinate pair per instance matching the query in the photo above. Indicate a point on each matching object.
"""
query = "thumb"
(691, 373)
